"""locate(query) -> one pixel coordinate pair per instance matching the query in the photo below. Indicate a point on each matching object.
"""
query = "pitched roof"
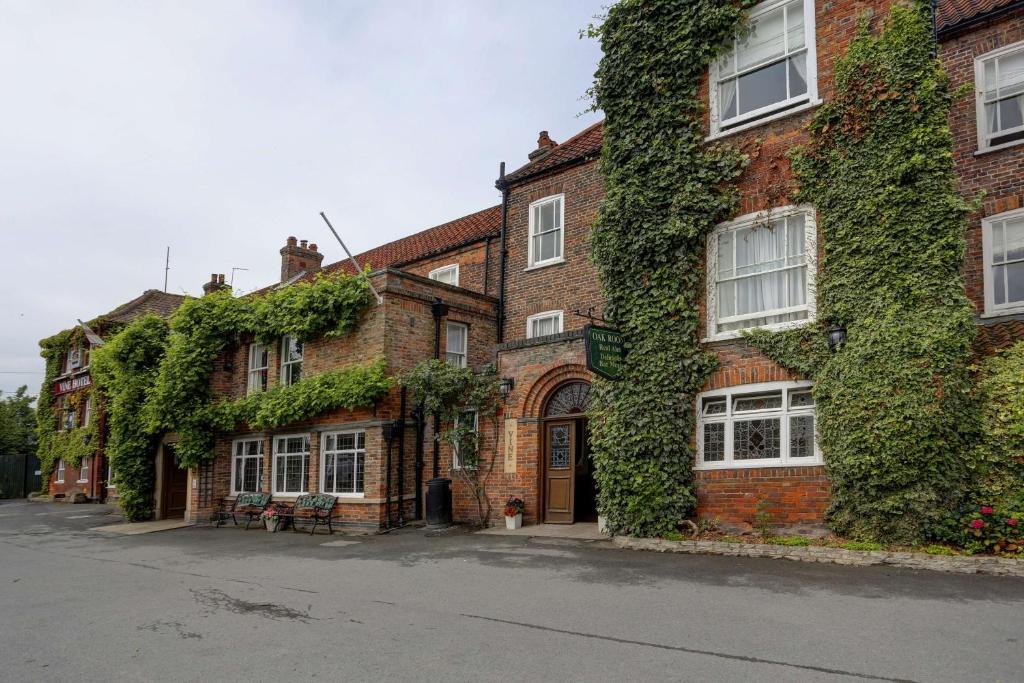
(950, 13)
(583, 145)
(150, 301)
(436, 240)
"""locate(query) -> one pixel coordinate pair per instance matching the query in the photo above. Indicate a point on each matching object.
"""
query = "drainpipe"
(439, 309)
(400, 428)
(503, 186)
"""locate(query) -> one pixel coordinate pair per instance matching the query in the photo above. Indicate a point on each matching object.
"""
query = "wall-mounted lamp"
(836, 337)
(506, 386)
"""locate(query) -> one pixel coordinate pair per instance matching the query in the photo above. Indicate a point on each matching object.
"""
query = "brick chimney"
(297, 257)
(544, 145)
(216, 283)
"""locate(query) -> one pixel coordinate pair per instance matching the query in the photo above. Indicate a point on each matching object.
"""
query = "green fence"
(19, 475)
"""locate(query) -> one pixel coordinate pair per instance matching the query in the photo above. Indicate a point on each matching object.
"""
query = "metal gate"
(19, 475)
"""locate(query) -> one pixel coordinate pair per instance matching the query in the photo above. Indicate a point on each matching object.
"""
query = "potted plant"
(513, 513)
(270, 518)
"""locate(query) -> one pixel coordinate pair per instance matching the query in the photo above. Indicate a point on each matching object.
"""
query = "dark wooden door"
(175, 486)
(559, 461)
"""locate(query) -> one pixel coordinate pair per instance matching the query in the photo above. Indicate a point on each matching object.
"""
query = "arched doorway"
(568, 472)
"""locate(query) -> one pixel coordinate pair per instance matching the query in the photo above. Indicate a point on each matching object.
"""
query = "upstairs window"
(543, 324)
(87, 412)
(343, 461)
(761, 272)
(546, 234)
(769, 67)
(77, 358)
(448, 275)
(258, 364)
(70, 418)
(1003, 245)
(456, 343)
(757, 426)
(291, 360)
(247, 470)
(999, 76)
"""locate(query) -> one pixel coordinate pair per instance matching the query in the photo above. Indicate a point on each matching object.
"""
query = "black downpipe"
(400, 428)
(503, 186)
(439, 309)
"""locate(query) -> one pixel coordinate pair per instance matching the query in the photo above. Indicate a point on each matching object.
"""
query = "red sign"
(65, 385)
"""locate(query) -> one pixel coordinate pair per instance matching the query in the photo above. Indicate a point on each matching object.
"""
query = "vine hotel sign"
(604, 351)
(65, 385)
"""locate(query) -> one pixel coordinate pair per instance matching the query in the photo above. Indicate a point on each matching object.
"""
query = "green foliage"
(803, 349)
(665, 191)
(125, 370)
(1001, 452)
(794, 541)
(53, 350)
(938, 550)
(17, 422)
(894, 407)
(861, 545)
(203, 329)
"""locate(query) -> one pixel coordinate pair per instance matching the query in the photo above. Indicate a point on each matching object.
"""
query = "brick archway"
(537, 396)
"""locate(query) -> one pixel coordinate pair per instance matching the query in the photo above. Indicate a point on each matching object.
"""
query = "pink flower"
(1012, 521)
(986, 510)
(977, 523)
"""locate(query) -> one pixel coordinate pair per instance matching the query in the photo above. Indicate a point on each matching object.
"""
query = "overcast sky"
(220, 128)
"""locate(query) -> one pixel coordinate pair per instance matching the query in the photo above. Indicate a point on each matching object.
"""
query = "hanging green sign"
(604, 351)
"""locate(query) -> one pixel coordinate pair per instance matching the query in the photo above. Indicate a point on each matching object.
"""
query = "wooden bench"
(251, 505)
(315, 508)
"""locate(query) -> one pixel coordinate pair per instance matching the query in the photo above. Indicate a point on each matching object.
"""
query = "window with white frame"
(471, 419)
(543, 324)
(757, 426)
(448, 274)
(1003, 246)
(342, 461)
(291, 464)
(291, 360)
(456, 344)
(78, 357)
(110, 475)
(259, 362)
(83, 470)
(247, 466)
(546, 233)
(70, 417)
(60, 471)
(770, 67)
(999, 78)
(761, 271)
(87, 412)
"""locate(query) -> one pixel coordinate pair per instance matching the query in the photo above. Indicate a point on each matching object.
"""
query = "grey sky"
(220, 128)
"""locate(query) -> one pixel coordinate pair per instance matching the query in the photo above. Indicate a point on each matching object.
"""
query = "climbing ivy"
(665, 191)
(1000, 454)
(124, 369)
(894, 407)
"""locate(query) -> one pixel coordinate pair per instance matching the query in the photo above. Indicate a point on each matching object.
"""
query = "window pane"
(725, 260)
(763, 87)
(1015, 282)
(727, 99)
(1014, 238)
(346, 473)
(547, 217)
(801, 436)
(990, 80)
(800, 399)
(764, 41)
(239, 472)
(757, 403)
(1011, 74)
(714, 406)
(1011, 113)
(727, 299)
(329, 479)
(760, 249)
(756, 439)
(714, 442)
(548, 246)
(999, 285)
(798, 75)
(795, 25)
(456, 339)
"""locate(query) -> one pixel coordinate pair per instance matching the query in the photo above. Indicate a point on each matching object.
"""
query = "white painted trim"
(60, 472)
(360, 455)
(811, 259)
(765, 114)
(545, 264)
(437, 271)
(234, 456)
(530, 262)
(249, 388)
(286, 364)
(539, 316)
(991, 309)
(273, 462)
(465, 349)
(783, 414)
(979, 96)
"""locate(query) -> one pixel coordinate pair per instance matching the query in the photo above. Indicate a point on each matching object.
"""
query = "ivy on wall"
(894, 405)
(665, 191)
(124, 369)
(1000, 454)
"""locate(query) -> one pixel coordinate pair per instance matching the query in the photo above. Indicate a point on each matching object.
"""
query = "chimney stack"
(215, 284)
(544, 145)
(299, 256)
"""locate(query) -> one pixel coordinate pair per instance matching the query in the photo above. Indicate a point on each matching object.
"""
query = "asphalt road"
(228, 605)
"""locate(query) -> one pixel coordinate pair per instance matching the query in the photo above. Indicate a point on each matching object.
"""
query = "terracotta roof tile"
(586, 143)
(993, 336)
(150, 301)
(952, 12)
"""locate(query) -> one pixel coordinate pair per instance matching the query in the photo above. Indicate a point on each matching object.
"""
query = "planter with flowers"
(513, 513)
(995, 529)
(270, 517)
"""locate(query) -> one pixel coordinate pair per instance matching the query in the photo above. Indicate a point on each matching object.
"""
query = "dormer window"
(448, 274)
(546, 233)
(770, 67)
(78, 357)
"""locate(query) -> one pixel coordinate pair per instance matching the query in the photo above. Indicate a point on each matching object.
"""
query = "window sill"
(799, 109)
(997, 148)
(758, 464)
(1016, 310)
(82, 481)
(59, 481)
(545, 264)
(738, 334)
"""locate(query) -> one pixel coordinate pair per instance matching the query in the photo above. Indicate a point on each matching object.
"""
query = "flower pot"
(271, 525)
(514, 522)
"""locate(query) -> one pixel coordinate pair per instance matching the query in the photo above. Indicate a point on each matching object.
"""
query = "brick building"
(513, 285)
(75, 404)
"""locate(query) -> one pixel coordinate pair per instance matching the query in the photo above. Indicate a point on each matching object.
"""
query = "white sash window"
(999, 78)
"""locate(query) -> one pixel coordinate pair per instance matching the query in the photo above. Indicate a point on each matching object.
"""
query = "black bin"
(439, 502)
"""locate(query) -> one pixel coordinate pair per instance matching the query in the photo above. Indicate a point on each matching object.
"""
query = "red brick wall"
(794, 495)
(472, 265)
